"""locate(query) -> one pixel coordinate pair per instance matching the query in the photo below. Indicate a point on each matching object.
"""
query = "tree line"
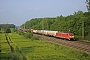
(6, 27)
(71, 23)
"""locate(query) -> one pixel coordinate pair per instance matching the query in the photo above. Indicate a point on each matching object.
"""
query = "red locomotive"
(69, 36)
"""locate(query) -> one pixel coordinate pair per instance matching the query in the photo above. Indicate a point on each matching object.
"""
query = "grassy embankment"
(43, 50)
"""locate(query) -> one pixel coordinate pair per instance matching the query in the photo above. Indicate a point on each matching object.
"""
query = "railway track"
(80, 45)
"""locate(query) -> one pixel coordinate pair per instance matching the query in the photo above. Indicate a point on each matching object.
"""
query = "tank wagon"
(51, 33)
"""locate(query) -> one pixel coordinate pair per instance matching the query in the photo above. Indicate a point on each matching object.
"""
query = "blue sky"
(19, 11)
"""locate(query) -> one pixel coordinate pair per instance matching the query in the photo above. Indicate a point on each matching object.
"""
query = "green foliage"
(38, 22)
(13, 29)
(35, 38)
(7, 25)
(0, 29)
(28, 35)
(19, 32)
(8, 31)
(88, 5)
(5, 28)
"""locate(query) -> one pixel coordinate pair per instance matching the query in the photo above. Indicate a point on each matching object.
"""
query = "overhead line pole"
(83, 30)
(42, 28)
(24, 26)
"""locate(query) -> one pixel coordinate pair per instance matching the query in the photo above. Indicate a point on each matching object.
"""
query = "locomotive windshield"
(71, 34)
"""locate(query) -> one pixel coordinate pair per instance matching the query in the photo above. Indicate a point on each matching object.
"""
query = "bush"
(8, 31)
(28, 35)
(19, 32)
(14, 30)
(35, 38)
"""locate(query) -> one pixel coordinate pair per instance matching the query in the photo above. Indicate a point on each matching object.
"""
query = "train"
(63, 35)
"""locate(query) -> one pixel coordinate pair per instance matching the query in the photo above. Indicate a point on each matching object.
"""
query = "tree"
(0, 28)
(5, 26)
(88, 5)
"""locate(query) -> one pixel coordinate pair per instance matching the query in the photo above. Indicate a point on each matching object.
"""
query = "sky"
(19, 11)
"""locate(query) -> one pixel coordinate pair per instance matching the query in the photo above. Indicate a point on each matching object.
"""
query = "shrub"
(35, 38)
(19, 32)
(28, 35)
(14, 30)
(8, 31)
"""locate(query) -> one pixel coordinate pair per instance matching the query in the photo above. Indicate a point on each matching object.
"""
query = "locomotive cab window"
(71, 34)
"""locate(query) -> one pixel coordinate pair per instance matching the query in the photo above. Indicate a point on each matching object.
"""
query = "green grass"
(5, 53)
(4, 45)
(40, 50)
(43, 50)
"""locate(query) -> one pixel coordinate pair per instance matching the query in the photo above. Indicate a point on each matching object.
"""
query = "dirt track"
(12, 49)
